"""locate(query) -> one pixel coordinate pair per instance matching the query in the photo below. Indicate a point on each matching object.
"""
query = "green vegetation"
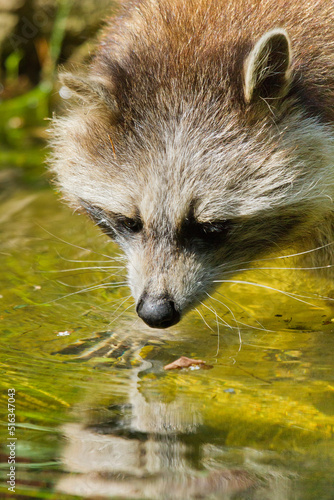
(42, 38)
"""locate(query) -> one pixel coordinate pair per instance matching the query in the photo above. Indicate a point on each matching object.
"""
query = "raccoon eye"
(133, 225)
(112, 223)
(206, 232)
(213, 230)
(215, 227)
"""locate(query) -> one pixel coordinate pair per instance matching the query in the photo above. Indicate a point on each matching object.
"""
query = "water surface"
(96, 414)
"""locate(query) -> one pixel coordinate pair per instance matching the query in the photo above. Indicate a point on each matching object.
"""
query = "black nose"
(157, 313)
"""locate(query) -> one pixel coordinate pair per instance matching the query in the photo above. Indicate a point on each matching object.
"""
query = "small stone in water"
(63, 334)
(230, 390)
(184, 362)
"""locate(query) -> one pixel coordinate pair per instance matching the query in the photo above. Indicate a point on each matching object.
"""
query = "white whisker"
(93, 284)
(214, 312)
(92, 268)
(120, 305)
(84, 261)
(89, 289)
(233, 316)
(245, 311)
(288, 294)
(120, 315)
(73, 245)
(201, 315)
(217, 323)
(297, 254)
(280, 268)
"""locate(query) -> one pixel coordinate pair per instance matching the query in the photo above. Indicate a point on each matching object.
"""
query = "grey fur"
(214, 156)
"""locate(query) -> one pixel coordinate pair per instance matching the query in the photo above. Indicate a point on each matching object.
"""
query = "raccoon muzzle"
(157, 312)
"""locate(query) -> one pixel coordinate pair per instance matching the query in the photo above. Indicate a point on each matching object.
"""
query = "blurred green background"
(36, 37)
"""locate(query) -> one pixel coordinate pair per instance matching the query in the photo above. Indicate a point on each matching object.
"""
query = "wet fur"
(170, 128)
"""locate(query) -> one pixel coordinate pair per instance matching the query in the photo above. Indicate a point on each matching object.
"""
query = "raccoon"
(201, 138)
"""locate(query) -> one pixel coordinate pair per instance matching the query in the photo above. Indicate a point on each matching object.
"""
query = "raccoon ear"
(267, 69)
(85, 88)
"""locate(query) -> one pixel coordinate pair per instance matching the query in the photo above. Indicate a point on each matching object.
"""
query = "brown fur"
(203, 44)
(202, 117)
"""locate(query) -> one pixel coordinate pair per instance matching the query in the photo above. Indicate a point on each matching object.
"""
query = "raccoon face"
(191, 184)
(173, 263)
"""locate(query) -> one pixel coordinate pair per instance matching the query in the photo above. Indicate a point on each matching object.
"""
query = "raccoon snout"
(157, 312)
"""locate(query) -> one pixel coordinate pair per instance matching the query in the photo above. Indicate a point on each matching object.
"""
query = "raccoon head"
(191, 181)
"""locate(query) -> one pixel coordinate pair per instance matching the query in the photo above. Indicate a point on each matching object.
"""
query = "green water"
(96, 414)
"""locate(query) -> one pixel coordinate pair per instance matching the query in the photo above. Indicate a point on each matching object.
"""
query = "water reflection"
(146, 448)
(258, 426)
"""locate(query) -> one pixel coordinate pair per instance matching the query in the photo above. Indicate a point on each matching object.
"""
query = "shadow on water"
(96, 414)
